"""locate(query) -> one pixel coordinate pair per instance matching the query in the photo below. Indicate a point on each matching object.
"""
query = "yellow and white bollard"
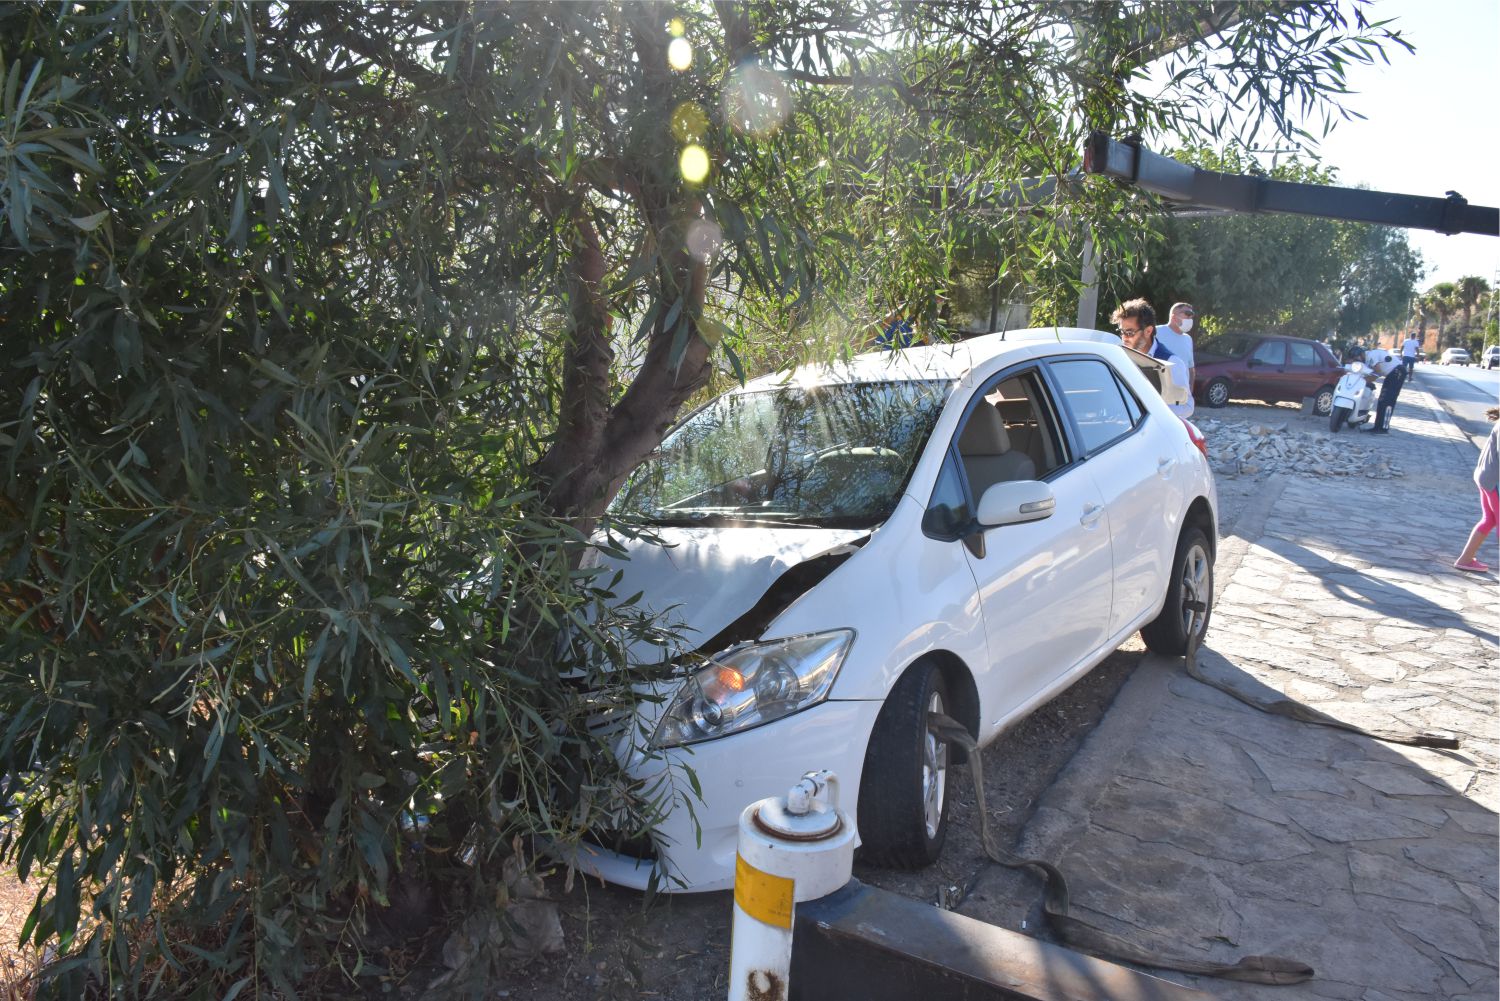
(793, 849)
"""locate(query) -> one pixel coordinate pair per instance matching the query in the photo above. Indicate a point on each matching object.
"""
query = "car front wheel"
(1217, 393)
(1190, 597)
(1323, 402)
(903, 795)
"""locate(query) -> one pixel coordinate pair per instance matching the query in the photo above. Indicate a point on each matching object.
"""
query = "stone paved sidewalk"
(1197, 822)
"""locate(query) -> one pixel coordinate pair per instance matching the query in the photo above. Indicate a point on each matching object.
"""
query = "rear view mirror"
(1015, 502)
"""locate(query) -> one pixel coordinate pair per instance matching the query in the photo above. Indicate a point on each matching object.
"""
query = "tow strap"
(1079, 934)
(1297, 711)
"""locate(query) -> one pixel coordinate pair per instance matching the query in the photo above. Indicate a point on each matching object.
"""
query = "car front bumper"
(696, 840)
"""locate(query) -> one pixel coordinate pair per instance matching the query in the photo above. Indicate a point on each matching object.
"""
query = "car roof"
(944, 362)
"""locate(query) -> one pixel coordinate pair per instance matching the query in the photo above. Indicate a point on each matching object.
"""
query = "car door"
(1265, 370)
(1305, 371)
(1134, 466)
(1044, 586)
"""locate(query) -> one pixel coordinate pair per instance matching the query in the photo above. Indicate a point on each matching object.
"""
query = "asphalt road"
(1465, 392)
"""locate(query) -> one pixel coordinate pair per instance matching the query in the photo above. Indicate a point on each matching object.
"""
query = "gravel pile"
(1236, 449)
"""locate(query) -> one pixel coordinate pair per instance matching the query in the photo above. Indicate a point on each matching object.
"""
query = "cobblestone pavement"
(1200, 824)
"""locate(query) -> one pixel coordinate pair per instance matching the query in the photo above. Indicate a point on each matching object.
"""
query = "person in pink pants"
(1487, 476)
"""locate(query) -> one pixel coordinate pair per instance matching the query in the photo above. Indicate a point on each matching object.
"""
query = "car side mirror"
(1251, 362)
(1015, 502)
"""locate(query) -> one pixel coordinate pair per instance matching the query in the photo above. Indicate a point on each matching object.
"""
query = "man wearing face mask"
(1136, 321)
(1175, 336)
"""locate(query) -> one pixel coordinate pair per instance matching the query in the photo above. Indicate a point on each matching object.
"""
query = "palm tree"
(1442, 299)
(1470, 288)
(1419, 307)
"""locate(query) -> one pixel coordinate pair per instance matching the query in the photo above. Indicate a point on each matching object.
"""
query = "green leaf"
(89, 223)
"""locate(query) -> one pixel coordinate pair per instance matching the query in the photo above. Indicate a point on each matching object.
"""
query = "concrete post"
(791, 849)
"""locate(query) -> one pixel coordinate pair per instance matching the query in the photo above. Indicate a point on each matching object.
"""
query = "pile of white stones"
(1236, 449)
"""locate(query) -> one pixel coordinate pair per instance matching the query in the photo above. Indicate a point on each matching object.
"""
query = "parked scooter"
(1353, 397)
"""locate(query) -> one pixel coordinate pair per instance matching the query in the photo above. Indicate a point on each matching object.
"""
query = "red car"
(1254, 367)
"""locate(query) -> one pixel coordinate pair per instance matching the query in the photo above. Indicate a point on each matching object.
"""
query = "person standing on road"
(1175, 337)
(1487, 478)
(1136, 321)
(1409, 349)
(1387, 365)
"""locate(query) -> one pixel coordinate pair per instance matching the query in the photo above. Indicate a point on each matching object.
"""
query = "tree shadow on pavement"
(1363, 588)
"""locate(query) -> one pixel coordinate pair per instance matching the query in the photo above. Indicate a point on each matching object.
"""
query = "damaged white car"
(963, 529)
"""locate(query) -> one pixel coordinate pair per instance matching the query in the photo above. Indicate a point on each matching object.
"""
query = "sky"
(1431, 125)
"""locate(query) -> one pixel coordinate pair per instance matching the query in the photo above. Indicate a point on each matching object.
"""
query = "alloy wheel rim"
(1218, 393)
(1196, 583)
(1325, 401)
(934, 772)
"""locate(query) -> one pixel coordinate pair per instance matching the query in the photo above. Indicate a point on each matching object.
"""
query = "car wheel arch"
(1201, 514)
(962, 690)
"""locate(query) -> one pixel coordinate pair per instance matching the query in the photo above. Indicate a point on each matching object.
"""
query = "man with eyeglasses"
(1136, 321)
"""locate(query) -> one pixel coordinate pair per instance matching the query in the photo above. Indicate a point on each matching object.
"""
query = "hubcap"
(1218, 394)
(1325, 402)
(934, 772)
(1197, 587)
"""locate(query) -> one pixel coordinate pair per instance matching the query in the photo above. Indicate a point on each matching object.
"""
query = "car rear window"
(1304, 354)
(1223, 346)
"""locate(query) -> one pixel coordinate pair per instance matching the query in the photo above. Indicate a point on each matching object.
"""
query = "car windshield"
(833, 456)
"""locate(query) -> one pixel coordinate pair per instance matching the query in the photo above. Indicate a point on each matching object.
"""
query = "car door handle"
(1091, 514)
(1164, 466)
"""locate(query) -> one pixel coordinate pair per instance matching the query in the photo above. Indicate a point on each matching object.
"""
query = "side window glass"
(948, 512)
(1271, 353)
(1093, 397)
(1132, 405)
(1011, 433)
(1304, 354)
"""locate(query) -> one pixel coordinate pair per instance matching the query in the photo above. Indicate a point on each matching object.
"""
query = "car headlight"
(752, 684)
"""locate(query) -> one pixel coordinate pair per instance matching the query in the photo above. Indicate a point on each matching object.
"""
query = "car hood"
(701, 581)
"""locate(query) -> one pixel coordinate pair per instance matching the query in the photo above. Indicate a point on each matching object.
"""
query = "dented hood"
(704, 580)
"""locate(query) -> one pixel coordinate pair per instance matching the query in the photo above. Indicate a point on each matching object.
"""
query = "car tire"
(903, 796)
(1217, 393)
(1323, 402)
(1192, 579)
(1337, 418)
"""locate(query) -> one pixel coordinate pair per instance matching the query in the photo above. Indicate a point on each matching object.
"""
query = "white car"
(964, 529)
(1492, 356)
(1455, 356)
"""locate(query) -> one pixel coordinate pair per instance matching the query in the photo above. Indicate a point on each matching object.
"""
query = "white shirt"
(1181, 345)
(1179, 376)
(1382, 361)
(1410, 347)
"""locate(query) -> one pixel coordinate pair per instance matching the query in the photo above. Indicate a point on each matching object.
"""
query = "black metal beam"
(1195, 188)
(861, 942)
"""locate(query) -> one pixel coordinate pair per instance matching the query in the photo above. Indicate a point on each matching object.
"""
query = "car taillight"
(1196, 436)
